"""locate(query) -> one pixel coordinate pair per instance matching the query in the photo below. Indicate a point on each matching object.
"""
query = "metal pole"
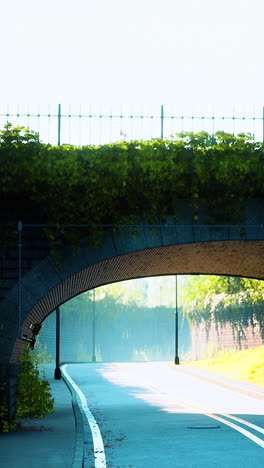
(19, 227)
(59, 124)
(94, 357)
(263, 124)
(176, 360)
(57, 373)
(161, 121)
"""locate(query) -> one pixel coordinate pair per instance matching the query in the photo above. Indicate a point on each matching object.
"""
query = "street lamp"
(176, 359)
(57, 373)
(93, 357)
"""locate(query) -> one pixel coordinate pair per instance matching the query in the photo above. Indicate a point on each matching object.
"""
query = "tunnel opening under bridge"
(229, 258)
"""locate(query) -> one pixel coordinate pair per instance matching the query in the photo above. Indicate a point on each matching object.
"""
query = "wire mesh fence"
(96, 125)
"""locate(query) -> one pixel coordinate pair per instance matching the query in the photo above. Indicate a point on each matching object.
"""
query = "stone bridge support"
(168, 249)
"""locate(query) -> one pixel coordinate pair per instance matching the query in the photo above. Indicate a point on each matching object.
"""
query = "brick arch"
(47, 287)
(182, 248)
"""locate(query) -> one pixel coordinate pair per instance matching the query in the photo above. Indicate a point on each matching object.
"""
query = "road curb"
(79, 429)
(195, 373)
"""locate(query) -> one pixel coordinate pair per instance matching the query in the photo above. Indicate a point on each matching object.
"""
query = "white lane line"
(99, 453)
(207, 412)
(246, 433)
(246, 423)
(210, 413)
(191, 405)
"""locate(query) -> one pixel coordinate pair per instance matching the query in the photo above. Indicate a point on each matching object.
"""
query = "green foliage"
(40, 355)
(34, 399)
(4, 416)
(7, 423)
(127, 181)
(243, 365)
(136, 330)
(17, 135)
(224, 298)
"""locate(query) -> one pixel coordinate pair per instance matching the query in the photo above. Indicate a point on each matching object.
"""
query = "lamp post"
(176, 359)
(94, 357)
(57, 373)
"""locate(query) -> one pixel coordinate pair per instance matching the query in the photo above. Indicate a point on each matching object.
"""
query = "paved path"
(155, 415)
(43, 443)
(149, 415)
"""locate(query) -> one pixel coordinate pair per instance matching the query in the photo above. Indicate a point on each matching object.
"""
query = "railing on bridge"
(95, 125)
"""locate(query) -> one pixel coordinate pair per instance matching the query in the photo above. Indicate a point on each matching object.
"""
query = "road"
(153, 415)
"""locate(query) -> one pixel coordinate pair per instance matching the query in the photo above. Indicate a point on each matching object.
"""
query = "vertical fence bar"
(234, 120)
(59, 124)
(94, 356)
(263, 124)
(162, 122)
(176, 360)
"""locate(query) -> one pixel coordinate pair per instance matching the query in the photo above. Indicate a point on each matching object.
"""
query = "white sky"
(185, 53)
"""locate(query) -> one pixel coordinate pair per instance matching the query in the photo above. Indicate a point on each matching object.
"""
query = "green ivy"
(4, 416)
(126, 182)
(221, 299)
(34, 399)
(6, 423)
(40, 355)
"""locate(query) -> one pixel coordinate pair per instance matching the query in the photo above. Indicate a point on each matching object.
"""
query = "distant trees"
(202, 297)
(123, 331)
(220, 298)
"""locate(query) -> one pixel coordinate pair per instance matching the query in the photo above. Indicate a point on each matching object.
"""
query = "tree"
(17, 135)
(207, 297)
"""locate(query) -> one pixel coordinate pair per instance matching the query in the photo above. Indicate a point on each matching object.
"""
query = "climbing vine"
(34, 399)
(126, 182)
(221, 299)
(4, 412)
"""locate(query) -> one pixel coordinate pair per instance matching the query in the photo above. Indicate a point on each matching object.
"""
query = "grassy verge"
(240, 365)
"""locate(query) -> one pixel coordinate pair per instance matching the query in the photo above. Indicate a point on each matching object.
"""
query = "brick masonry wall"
(206, 339)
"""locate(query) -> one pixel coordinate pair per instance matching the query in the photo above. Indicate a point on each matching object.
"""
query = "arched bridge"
(217, 179)
(40, 285)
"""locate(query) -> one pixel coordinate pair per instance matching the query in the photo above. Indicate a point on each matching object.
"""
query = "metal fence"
(95, 125)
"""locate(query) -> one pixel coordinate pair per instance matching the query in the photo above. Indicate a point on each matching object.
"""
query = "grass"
(245, 365)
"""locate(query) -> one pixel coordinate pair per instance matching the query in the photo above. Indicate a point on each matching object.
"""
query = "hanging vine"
(125, 181)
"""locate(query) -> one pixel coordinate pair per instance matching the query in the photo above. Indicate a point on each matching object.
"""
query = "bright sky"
(150, 292)
(185, 53)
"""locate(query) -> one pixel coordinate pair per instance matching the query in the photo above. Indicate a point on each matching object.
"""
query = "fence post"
(176, 359)
(59, 124)
(263, 124)
(161, 121)
(93, 356)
